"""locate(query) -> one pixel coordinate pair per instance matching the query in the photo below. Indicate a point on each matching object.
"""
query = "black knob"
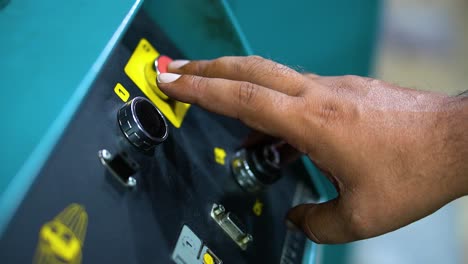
(142, 123)
(255, 168)
(265, 163)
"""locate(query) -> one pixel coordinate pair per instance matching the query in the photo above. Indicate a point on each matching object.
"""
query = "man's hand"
(395, 155)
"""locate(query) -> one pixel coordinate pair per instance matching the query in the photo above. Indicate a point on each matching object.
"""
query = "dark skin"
(395, 154)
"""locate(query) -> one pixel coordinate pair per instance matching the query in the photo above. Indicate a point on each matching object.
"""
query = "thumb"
(322, 223)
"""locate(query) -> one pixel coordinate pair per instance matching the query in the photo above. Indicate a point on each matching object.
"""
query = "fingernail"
(177, 64)
(291, 226)
(168, 77)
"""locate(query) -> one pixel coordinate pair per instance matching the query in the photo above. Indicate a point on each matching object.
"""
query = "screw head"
(106, 154)
(219, 210)
(247, 239)
(131, 182)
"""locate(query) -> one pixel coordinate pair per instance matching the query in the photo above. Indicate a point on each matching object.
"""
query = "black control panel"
(126, 185)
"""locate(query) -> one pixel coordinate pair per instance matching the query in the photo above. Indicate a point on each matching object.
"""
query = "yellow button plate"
(137, 70)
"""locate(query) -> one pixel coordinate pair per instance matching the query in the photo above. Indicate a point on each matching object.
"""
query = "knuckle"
(233, 64)
(255, 58)
(315, 230)
(209, 68)
(298, 107)
(343, 84)
(311, 76)
(198, 68)
(356, 84)
(260, 67)
(350, 78)
(251, 62)
(278, 69)
(329, 112)
(197, 85)
(237, 66)
(220, 66)
(246, 93)
(372, 83)
(220, 62)
(223, 59)
(317, 237)
(359, 225)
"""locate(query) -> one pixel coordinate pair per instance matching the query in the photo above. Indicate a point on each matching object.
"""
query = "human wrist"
(456, 114)
(464, 121)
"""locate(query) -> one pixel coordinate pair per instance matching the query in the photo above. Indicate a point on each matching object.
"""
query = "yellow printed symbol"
(220, 155)
(140, 68)
(121, 92)
(61, 239)
(257, 208)
(208, 259)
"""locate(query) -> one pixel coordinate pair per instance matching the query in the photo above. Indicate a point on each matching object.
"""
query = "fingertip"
(295, 216)
(177, 64)
(313, 224)
(167, 77)
(291, 226)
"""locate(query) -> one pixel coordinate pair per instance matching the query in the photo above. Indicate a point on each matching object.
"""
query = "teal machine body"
(52, 53)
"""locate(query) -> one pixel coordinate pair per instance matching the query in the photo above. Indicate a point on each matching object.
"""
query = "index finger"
(261, 108)
(253, 69)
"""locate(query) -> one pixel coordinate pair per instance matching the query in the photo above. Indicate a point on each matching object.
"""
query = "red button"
(163, 62)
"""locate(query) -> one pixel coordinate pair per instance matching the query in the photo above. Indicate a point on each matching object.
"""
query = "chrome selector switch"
(142, 123)
(256, 168)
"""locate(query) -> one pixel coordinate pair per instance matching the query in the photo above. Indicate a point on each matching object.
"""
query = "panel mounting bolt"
(219, 210)
(246, 240)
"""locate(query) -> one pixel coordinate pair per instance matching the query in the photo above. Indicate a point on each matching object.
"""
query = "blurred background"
(423, 44)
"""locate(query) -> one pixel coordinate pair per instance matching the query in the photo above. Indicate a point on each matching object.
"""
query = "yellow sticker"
(121, 92)
(257, 208)
(220, 155)
(141, 71)
(61, 239)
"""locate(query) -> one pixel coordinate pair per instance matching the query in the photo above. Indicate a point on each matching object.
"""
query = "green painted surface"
(201, 29)
(326, 37)
(50, 53)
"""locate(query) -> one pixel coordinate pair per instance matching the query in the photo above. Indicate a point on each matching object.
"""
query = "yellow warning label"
(121, 92)
(220, 155)
(257, 208)
(61, 239)
(140, 69)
